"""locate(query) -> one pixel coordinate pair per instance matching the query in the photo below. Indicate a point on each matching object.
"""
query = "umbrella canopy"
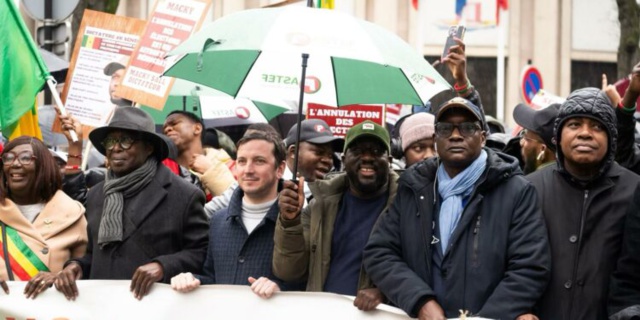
(257, 53)
(215, 108)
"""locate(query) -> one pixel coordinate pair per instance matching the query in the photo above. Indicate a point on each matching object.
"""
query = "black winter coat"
(585, 219)
(164, 222)
(624, 298)
(498, 262)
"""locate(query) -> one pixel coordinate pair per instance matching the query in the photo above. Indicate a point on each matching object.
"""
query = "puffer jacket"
(585, 218)
(498, 262)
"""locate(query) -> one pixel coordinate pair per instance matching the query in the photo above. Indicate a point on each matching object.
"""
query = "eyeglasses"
(25, 158)
(125, 143)
(466, 129)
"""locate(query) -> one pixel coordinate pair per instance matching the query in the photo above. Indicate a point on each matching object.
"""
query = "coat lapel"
(138, 207)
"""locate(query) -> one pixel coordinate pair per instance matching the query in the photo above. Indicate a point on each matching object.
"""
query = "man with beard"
(115, 70)
(464, 232)
(537, 147)
(323, 244)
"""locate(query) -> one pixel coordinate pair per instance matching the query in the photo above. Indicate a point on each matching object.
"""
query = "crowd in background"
(445, 212)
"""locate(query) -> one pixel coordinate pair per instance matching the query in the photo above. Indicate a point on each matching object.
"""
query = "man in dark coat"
(144, 222)
(584, 199)
(464, 231)
(241, 236)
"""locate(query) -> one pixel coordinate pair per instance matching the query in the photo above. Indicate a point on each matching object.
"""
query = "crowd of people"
(552, 232)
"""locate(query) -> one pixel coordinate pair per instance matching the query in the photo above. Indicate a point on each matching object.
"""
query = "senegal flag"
(22, 72)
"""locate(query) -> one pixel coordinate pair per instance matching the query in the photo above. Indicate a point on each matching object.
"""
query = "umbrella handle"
(305, 57)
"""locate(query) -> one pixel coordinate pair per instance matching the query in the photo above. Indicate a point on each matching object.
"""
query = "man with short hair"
(144, 222)
(323, 244)
(116, 70)
(464, 232)
(245, 229)
(315, 158)
(210, 165)
(584, 198)
(536, 142)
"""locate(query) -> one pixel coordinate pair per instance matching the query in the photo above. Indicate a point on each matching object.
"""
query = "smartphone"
(454, 31)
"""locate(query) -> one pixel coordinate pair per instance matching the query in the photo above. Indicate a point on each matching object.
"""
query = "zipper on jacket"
(476, 235)
(576, 260)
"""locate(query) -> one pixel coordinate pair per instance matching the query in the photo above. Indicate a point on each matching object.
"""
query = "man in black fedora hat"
(144, 222)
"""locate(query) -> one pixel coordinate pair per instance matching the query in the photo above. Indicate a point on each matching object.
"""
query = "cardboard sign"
(104, 43)
(171, 23)
(343, 118)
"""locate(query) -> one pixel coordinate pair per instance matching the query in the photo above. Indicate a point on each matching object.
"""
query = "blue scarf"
(452, 192)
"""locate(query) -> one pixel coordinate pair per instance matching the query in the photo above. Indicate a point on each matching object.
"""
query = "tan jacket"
(302, 247)
(58, 234)
(218, 177)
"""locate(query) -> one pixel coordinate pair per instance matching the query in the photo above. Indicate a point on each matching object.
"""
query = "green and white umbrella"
(257, 53)
(217, 109)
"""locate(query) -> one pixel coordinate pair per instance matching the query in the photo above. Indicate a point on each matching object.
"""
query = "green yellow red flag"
(22, 72)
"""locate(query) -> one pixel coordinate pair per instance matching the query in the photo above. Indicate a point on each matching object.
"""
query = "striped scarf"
(115, 190)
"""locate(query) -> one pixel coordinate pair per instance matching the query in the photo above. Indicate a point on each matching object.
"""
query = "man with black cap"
(116, 70)
(144, 222)
(322, 244)
(315, 158)
(584, 198)
(464, 232)
(536, 142)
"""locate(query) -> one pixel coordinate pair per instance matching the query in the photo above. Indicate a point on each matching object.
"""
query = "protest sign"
(103, 46)
(343, 118)
(170, 23)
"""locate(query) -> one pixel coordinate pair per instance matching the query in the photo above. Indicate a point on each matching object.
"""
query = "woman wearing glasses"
(41, 227)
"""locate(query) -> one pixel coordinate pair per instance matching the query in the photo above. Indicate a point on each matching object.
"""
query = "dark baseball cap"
(540, 121)
(314, 131)
(368, 128)
(462, 103)
(112, 67)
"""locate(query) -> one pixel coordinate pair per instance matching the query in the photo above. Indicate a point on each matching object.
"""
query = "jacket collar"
(235, 207)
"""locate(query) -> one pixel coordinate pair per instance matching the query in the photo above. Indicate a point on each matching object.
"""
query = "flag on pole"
(326, 4)
(22, 73)
(460, 4)
(501, 5)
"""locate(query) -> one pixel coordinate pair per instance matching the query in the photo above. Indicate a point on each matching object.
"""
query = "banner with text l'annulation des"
(99, 300)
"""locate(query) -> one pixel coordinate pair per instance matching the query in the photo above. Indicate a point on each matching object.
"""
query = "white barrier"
(113, 300)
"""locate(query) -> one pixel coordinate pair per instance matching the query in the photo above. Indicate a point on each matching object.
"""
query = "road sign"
(60, 10)
(531, 83)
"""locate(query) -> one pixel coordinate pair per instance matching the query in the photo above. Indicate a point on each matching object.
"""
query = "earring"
(540, 155)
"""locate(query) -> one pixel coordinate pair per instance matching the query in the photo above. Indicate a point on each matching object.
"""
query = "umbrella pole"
(305, 57)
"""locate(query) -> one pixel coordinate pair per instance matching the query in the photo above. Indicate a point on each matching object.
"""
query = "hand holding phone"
(454, 32)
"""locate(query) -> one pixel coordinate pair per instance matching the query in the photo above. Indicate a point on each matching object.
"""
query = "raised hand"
(291, 199)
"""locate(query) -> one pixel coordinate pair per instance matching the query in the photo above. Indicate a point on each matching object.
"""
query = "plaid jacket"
(233, 255)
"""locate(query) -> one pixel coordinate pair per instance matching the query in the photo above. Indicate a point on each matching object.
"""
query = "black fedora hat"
(131, 119)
